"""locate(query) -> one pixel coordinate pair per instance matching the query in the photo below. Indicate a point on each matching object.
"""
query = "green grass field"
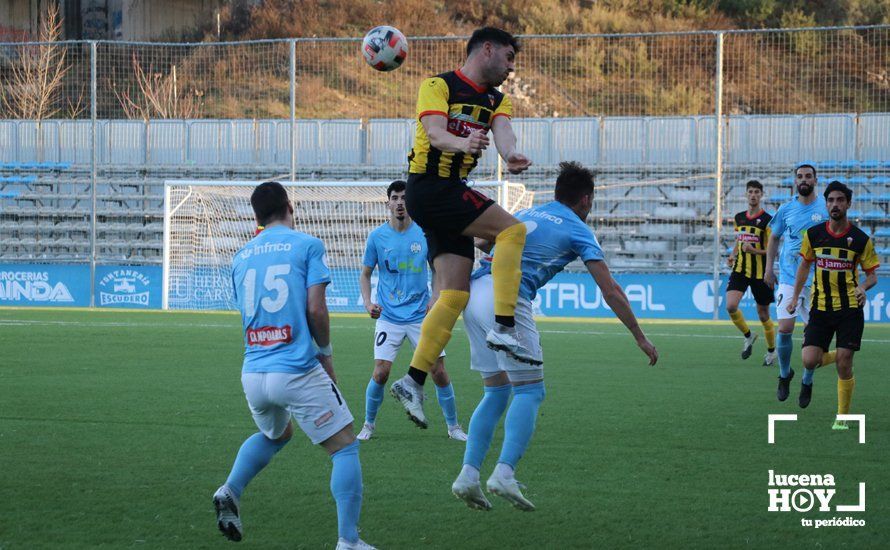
(116, 428)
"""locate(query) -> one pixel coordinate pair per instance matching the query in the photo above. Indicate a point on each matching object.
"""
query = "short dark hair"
(269, 202)
(395, 187)
(573, 182)
(810, 166)
(838, 186)
(492, 34)
(755, 184)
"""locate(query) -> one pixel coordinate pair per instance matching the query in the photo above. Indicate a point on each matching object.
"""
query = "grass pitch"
(116, 428)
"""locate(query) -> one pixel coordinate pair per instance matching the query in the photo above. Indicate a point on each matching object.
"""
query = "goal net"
(207, 222)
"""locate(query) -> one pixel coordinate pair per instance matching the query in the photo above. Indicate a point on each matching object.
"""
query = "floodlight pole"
(93, 160)
(718, 172)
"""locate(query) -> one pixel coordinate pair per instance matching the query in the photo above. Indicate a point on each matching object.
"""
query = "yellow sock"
(828, 357)
(436, 328)
(845, 394)
(738, 319)
(769, 332)
(506, 268)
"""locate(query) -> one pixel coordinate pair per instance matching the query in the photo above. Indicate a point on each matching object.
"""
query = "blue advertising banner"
(128, 286)
(44, 285)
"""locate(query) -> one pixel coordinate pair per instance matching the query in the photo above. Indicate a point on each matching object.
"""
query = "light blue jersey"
(402, 274)
(271, 276)
(555, 237)
(790, 222)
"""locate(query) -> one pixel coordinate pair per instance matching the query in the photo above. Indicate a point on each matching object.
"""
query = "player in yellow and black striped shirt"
(838, 248)
(455, 111)
(748, 262)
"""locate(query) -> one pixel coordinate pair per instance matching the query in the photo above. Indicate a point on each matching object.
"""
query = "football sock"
(808, 376)
(254, 454)
(373, 399)
(436, 328)
(785, 347)
(417, 375)
(845, 394)
(504, 471)
(446, 401)
(471, 473)
(738, 319)
(483, 422)
(769, 332)
(346, 486)
(506, 272)
(520, 422)
(828, 358)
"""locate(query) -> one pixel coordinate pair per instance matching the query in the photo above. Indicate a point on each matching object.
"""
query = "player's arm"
(748, 249)
(870, 263)
(800, 279)
(776, 227)
(505, 141)
(432, 112)
(483, 244)
(364, 281)
(320, 324)
(617, 301)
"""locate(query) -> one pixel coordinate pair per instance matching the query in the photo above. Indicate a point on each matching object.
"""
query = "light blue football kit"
(400, 258)
(555, 237)
(792, 219)
(281, 374)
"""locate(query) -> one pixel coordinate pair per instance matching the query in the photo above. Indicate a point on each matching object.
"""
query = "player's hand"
(747, 248)
(517, 163)
(730, 261)
(476, 142)
(649, 349)
(374, 310)
(860, 296)
(327, 363)
(769, 278)
(792, 305)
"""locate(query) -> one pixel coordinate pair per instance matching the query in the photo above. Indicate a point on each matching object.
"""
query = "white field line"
(369, 328)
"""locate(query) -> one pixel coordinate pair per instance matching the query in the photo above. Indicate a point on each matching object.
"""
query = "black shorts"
(763, 294)
(443, 208)
(847, 324)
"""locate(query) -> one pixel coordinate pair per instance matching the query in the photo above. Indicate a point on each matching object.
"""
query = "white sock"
(504, 471)
(470, 473)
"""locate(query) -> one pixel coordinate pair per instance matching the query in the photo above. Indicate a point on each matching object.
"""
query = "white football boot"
(410, 395)
(769, 359)
(228, 517)
(507, 339)
(509, 489)
(366, 433)
(748, 345)
(343, 544)
(471, 493)
(457, 433)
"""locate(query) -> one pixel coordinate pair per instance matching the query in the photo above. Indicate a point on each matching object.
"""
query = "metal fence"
(671, 122)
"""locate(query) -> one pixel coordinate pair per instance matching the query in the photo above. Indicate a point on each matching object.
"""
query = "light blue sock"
(784, 346)
(254, 454)
(446, 401)
(483, 422)
(373, 399)
(808, 376)
(346, 486)
(520, 423)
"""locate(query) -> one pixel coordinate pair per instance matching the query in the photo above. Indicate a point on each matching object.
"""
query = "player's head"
(754, 192)
(805, 179)
(395, 200)
(574, 187)
(837, 199)
(494, 50)
(271, 205)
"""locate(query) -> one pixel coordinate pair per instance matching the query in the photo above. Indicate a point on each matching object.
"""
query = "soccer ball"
(385, 48)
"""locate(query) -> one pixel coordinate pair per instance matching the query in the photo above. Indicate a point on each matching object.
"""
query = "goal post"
(206, 222)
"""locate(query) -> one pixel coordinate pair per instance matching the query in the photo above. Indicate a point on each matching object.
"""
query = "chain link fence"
(89, 130)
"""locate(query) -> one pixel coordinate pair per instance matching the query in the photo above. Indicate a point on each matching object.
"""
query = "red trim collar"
(757, 215)
(838, 235)
(464, 77)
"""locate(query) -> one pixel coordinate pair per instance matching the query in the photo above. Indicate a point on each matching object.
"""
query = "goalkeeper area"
(126, 422)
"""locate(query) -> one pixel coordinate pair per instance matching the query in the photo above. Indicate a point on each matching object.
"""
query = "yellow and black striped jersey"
(468, 107)
(753, 230)
(837, 257)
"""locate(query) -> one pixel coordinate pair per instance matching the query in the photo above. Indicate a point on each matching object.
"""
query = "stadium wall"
(652, 296)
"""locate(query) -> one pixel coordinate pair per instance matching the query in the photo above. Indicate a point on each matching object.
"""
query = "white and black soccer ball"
(385, 48)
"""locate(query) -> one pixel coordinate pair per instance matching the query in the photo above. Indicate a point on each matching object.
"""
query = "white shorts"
(388, 338)
(311, 398)
(479, 319)
(783, 298)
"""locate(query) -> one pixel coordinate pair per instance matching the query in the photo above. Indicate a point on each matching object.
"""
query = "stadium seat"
(870, 164)
(848, 164)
